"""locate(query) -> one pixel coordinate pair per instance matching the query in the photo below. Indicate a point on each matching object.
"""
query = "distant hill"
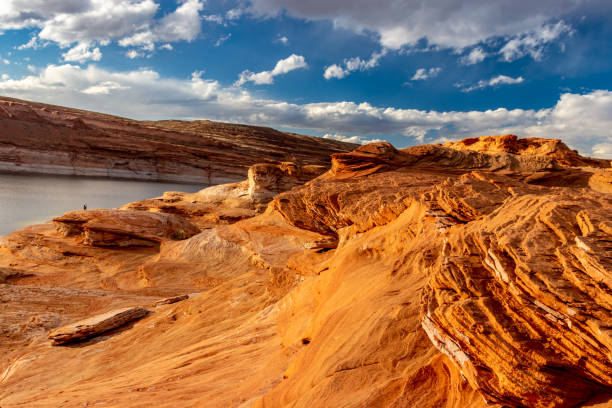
(46, 139)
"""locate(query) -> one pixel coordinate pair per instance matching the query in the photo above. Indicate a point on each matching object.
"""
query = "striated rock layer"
(46, 139)
(434, 276)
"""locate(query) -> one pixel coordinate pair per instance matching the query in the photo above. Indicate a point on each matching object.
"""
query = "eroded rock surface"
(434, 276)
(123, 228)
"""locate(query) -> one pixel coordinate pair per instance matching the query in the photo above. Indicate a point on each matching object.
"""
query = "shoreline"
(102, 173)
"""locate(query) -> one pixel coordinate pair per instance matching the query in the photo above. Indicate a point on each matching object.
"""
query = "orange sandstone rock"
(123, 228)
(433, 276)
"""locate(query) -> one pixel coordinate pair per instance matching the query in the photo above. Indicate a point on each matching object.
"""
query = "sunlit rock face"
(519, 272)
(433, 276)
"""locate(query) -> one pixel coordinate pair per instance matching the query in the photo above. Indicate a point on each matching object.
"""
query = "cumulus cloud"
(130, 22)
(423, 74)
(581, 120)
(182, 24)
(353, 64)
(474, 57)
(284, 66)
(335, 71)
(82, 52)
(533, 43)
(495, 81)
(448, 23)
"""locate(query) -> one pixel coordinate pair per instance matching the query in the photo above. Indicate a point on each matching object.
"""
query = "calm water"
(26, 200)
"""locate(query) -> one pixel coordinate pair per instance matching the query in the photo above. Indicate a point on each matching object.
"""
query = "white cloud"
(33, 43)
(335, 71)
(533, 43)
(235, 13)
(423, 74)
(448, 23)
(213, 18)
(5, 61)
(350, 139)
(132, 54)
(495, 81)
(603, 150)
(474, 57)
(102, 20)
(183, 24)
(104, 88)
(581, 120)
(283, 40)
(82, 53)
(353, 64)
(282, 67)
(168, 47)
(223, 39)
(130, 22)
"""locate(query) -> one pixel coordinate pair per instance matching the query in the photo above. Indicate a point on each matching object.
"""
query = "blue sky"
(406, 71)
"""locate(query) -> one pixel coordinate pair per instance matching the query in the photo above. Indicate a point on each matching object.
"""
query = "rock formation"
(466, 275)
(45, 139)
(228, 203)
(120, 228)
(529, 146)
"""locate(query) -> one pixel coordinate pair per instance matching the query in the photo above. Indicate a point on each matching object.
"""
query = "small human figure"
(85, 206)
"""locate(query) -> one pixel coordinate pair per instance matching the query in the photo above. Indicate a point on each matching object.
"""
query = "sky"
(405, 71)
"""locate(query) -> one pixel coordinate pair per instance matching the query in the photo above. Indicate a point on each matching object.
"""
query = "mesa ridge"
(37, 138)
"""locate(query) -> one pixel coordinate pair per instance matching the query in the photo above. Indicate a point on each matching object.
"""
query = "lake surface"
(26, 200)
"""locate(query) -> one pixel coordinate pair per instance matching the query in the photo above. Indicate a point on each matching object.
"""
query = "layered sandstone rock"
(123, 228)
(529, 146)
(423, 277)
(520, 299)
(46, 139)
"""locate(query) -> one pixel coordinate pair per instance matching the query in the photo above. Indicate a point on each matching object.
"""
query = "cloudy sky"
(406, 71)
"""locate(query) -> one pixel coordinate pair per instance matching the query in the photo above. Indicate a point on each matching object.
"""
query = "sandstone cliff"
(46, 139)
(434, 276)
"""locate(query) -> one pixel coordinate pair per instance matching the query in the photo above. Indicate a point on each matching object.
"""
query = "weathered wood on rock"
(96, 325)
